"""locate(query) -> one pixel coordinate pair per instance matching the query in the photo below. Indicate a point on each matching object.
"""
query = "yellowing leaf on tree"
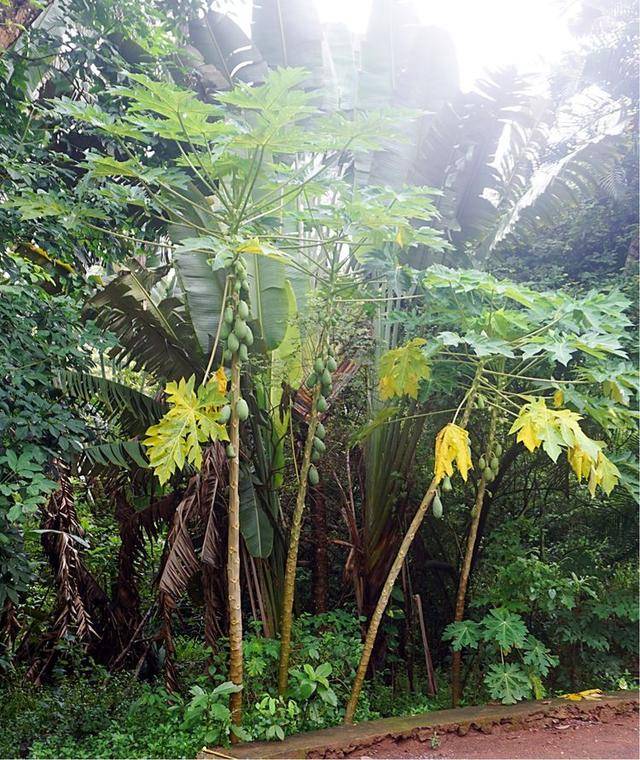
(535, 426)
(402, 369)
(221, 378)
(193, 418)
(558, 398)
(605, 474)
(553, 429)
(580, 462)
(452, 445)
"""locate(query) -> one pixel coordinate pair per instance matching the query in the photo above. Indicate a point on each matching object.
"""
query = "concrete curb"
(341, 740)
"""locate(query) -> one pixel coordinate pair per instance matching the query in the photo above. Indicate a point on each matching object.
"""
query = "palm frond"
(136, 411)
(127, 454)
(155, 336)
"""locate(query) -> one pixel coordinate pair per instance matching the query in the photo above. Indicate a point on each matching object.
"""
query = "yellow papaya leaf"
(554, 429)
(221, 378)
(250, 246)
(402, 369)
(580, 462)
(402, 235)
(192, 419)
(527, 434)
(590, 694)
(604, 474)
(452, 445)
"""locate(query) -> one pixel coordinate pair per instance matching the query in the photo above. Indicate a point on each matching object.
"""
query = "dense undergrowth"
(97, 714)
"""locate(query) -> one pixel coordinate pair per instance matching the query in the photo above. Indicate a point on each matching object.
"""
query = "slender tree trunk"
(376, 618)
(396, 567)
(233, 552)
(292, 554)
(321, 563)
(456, 662)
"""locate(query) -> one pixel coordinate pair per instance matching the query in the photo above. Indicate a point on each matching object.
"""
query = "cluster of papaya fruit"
(235, 333)
(236, 337)
(323, 368)
(489, 463)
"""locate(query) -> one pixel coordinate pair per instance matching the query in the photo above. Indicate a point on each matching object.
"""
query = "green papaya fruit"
(497, 449)
(242, 409)
(243, 309)
(225, 414)
(228, 315)
(320, 431)
(316, 456)
(231, 452)
(237, 286)
(437, 507)
(488, 474)
(446, 484)
(318, 365)
(319, 445)
(312, 380)
(225, 330)
(325, 379)
(233, 344)
(495, 464)
(240, 328)
(227, 356)
(248, 337)
(482, 463)
(332, 364)
(313, 477)
(321, 404)
(243, 353)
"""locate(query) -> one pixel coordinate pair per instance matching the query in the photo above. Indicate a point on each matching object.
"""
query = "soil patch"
(606, 736)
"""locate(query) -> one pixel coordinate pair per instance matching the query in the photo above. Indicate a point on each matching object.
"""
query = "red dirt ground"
(615, 737)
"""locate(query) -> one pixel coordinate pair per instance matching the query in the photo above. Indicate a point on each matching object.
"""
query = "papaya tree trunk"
(233, 551)
(292, 553)
(456, 662)
(396, 567)
(376, 618)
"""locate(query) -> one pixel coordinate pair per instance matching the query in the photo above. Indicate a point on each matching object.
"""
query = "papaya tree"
(515, 362)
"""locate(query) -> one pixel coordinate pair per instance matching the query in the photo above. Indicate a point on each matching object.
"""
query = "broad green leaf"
(465, 633)
(202, 289)
(508, 682)
(255, 525)
(269, 298)
(505, 628)
(538, 657)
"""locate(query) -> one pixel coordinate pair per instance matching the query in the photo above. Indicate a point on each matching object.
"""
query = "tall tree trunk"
(233, 552)
(321, 563)
(456, 662)
(292, 554)
(376, 618)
